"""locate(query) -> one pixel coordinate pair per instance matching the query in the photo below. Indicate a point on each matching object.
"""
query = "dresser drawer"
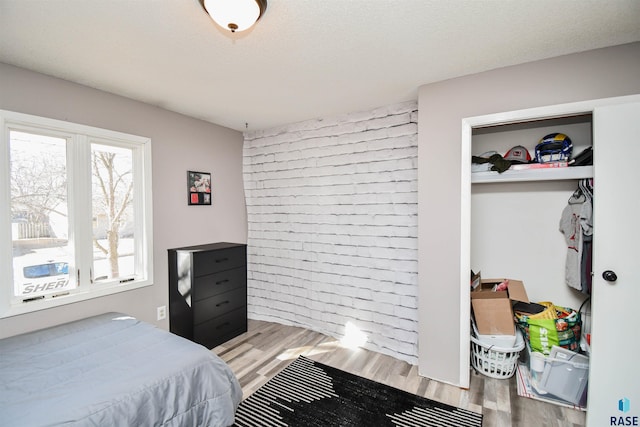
(209, 262)
(208, 292)
(221, 329)
(218, 305)
(219, 283)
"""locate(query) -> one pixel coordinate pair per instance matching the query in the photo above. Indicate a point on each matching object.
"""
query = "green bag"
(545, 333)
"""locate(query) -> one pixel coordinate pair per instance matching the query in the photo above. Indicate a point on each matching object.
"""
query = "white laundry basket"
(493, 361)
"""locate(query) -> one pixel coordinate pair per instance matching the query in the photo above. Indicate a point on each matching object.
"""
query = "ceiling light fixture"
(235, 15)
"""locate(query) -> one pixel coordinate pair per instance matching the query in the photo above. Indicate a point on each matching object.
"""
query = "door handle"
(609, 276)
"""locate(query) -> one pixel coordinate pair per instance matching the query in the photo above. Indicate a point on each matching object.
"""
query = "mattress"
(113, 370)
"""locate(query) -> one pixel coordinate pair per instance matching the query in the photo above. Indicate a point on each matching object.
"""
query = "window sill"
(19, 308)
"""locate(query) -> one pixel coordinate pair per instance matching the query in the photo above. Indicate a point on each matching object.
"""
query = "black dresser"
(208, 292)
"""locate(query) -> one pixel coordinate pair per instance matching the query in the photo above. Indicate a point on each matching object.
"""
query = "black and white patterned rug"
(308, 393)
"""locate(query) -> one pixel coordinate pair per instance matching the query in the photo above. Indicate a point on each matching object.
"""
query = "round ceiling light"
(235, 15)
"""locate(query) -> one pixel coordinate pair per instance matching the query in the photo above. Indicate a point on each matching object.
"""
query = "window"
(78, 217)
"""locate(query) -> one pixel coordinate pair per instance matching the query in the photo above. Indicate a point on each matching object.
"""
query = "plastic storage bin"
(565, 375)
(494, 361)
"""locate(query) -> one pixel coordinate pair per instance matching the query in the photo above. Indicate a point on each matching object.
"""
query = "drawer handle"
(222, 281)
(224, 325)
(222, 260)
(222, 303)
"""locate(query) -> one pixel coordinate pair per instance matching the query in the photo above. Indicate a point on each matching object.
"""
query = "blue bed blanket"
(113, 370)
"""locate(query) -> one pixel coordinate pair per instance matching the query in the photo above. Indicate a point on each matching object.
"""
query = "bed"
(113, 370)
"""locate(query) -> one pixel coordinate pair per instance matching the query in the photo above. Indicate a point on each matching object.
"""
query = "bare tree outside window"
(112, 210)
(40, 220)
(38, 181)
(79, 212)
(39, 214)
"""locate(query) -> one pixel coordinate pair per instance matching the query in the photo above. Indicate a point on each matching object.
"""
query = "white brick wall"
(332, 207)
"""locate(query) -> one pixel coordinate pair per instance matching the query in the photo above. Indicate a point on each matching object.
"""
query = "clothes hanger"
(577, 196)
(586, 188)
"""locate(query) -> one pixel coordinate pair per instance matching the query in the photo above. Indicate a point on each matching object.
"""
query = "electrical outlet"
(161, 312)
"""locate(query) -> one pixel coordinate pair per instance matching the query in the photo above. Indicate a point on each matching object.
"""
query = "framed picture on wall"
(199, 187)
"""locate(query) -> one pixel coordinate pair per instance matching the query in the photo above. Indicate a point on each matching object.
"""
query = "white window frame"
(80, 137)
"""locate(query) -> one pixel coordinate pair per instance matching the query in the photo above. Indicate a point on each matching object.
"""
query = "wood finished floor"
(267, 348)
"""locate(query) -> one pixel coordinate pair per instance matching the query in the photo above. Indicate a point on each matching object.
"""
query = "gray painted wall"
(179, 143)
(600, 73)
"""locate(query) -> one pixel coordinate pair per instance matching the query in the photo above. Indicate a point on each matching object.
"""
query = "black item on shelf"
(585, 158)
(499, 163)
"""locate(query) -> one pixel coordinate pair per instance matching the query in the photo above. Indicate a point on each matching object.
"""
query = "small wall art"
(199, 186)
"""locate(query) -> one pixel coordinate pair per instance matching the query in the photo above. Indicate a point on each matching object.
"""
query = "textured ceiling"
(305, 58)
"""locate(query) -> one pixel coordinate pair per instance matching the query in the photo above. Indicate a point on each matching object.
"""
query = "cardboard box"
(493, 310)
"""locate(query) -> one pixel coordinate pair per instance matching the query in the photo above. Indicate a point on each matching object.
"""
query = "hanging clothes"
(576, 223)
(586, 187)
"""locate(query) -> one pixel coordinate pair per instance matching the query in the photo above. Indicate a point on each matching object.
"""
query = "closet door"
(615, 343)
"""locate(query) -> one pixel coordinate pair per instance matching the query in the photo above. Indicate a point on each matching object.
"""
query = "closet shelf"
(552, 174)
